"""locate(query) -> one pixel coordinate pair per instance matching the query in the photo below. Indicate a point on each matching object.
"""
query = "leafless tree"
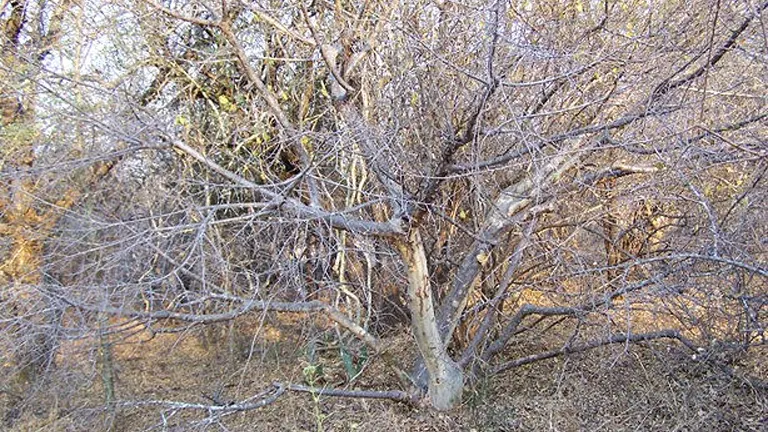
(501, 168)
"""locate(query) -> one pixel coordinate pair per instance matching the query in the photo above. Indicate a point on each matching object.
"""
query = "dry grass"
(611, 389)
(650, 387)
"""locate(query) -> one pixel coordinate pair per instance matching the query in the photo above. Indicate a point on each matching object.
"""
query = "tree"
(508, 166)
(24, 224)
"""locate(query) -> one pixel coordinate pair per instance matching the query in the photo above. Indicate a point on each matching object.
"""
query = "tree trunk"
(446, 378)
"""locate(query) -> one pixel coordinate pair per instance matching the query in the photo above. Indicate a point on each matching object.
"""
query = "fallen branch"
(395, 395)
(613, 339)
(245, 405)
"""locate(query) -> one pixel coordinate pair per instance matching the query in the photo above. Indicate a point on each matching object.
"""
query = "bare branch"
(275, 392)
(180, 16)
(613, 339)
(492, 309)
(666, 86)
(509, 207)
(248, 305)
(267, 18)
(338, 220)
(395, 395)
(510, 328)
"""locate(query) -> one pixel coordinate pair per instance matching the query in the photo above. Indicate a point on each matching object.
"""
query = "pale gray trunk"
(445, 377)
(509, 207)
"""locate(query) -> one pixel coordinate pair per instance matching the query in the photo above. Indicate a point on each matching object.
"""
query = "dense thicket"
(483, 171)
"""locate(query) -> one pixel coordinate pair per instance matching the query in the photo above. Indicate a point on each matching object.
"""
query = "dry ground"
(649, 387)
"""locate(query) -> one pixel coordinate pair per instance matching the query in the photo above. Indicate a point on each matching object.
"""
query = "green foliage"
(353, 365)
(313, 373)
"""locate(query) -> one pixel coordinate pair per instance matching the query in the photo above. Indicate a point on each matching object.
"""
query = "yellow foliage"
(181, 120)
(226, 104)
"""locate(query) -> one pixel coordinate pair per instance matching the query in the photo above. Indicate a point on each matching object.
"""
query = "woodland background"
(359, 215)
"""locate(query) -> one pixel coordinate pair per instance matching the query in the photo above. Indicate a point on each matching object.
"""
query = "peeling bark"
(510, 206)
(445, 377)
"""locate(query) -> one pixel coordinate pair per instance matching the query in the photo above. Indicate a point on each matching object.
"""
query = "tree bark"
(446, 378)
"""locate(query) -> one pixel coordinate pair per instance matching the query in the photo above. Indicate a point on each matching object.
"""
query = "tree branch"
(431, 183)
(510, 206)
(395, 395)
(245, 405)
(666, 86)
(274, 106)
(292, 205)
(180, 16)
(492, 310)
(613, 339)
(249, 305)
(554, 139)
(264, 16)
(528, 309)
(660, 90)
(615, 171)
